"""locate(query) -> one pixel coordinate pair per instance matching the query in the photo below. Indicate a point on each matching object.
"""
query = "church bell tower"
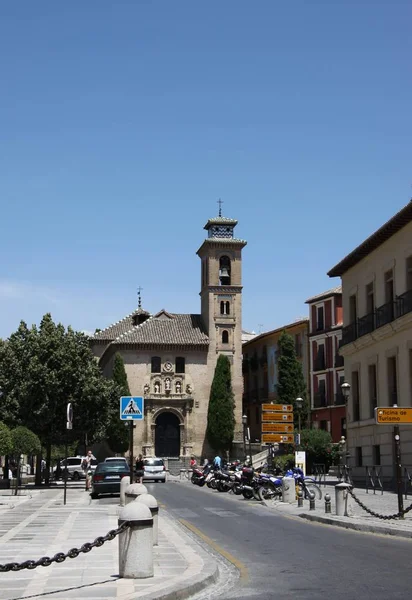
(221, 299)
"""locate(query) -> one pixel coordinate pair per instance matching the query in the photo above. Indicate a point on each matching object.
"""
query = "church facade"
(170, 358)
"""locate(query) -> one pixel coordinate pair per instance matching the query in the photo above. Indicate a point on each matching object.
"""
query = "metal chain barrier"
(377, 515)
(46, 561)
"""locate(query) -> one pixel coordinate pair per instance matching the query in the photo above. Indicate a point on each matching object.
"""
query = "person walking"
(87, 468)
(139, 469)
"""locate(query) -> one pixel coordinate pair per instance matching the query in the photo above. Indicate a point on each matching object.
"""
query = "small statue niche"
(157, 387)
(168, 384)
(178, 387)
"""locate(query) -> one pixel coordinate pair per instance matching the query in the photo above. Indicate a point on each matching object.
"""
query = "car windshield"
(153, 462)
(112, 466)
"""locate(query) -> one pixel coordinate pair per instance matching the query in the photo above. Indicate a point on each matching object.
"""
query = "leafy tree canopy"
(41, 369)
(291, 383)
(25, 441)
(220, 417)
(6, 440)
(317, 444)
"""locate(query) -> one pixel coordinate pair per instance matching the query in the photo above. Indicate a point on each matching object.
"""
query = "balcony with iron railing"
(319, 363)
(319, 400)
(339, 399)
(383, 315)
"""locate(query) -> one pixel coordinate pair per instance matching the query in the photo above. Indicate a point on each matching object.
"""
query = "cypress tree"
(220, 416)
(291, 383)
(119, 374)
(117, 433)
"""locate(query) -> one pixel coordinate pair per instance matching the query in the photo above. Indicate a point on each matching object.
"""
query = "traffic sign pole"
(398, 464)
(69, 425)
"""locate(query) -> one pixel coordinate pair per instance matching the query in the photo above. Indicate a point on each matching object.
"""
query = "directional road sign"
(270, 438)
(277, 428)
(131, 408)
(277, 407)
(393, 415)
(277, 417)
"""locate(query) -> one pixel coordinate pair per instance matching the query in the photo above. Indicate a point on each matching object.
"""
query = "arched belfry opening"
(167, 435)
(224, 270)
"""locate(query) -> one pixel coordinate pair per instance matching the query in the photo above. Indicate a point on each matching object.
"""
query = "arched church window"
(228, 308)
(225, 337)
(222, 308)
(224, 270)
(156, 364)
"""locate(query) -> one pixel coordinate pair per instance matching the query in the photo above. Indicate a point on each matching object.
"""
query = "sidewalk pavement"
(38, 524)
(383, 504)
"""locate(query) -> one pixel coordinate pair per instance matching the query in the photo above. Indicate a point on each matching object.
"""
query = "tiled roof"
(395, 224)
(332, 292)
(113, 331)
(220, 221)
(161, 329)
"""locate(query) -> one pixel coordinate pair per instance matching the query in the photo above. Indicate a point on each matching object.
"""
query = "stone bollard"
(300, 499)
(134, 491)
(288, 490)
(151, 502)
(343, 499)
(312, 505)
(182, 474)
(124, 484)
(328, 504)
(136, 542)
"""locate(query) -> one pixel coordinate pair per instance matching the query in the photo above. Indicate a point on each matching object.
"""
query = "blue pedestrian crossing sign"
(131, 408)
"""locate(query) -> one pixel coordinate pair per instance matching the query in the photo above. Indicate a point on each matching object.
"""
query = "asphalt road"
(287, 557)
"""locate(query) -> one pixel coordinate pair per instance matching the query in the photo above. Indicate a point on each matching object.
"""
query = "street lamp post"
(345, 387)
(244, 422)
(299, 405)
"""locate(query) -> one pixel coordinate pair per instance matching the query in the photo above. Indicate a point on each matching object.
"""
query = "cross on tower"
(139, 289)
(220, 202)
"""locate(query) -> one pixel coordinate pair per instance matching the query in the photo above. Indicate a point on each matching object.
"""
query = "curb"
(358, 526)
(181, 591)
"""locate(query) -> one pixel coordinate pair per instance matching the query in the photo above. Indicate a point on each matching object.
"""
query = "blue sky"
(123, 122)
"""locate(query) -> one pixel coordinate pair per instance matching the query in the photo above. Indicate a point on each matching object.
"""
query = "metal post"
(244, 441)
(299, 426)
(131, 452)
(65, 469)
(398, 467)
(250, 444)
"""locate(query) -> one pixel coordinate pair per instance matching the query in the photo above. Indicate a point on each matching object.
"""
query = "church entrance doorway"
(167, 435)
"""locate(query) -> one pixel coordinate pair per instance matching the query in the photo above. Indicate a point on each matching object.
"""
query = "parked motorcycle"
(199, 475)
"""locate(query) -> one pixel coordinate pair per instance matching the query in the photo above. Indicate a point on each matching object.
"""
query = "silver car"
(154, 470)
(74, 468)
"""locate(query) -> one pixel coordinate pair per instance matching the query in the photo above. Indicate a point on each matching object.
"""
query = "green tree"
(6, 440)
(24, 442)
(291, 383)
(41, 369)
(117, 432)
(317, 444)
(220, 416)
(119, 374)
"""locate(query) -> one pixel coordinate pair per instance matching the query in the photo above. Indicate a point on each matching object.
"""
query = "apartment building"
(377, 340)
(328, 410)
(260, 370)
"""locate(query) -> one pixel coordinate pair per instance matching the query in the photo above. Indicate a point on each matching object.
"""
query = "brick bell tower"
(221, 301)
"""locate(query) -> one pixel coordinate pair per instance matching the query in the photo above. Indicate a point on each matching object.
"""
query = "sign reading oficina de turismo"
(131, 408)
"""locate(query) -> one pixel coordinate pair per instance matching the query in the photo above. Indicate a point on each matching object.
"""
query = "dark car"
(107, 477)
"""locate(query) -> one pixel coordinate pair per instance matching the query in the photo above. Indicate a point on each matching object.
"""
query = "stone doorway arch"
(167, 434)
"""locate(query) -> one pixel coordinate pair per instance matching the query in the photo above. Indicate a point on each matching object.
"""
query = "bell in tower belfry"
(224, 270)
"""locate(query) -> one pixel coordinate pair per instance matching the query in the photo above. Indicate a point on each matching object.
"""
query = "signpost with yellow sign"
(392, 415)
(395, 415)
(277, 428)
(272, 438)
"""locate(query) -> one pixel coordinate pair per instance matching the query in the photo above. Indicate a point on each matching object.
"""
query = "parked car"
(116, 459)
(154, 470)
(74, 468)
(107, 477)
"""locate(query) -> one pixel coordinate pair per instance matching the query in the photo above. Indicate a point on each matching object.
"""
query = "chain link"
(377, 515)
(46, 561)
